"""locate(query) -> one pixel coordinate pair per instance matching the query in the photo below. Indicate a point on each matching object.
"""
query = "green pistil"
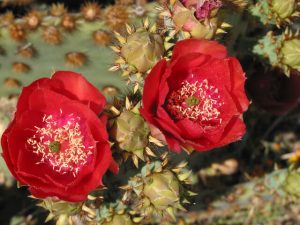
(192, 101)
(54, 146)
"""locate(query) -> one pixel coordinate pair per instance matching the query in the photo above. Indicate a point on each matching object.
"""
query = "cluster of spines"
(120, 63)
(136, 187)
(270, 47)
(114, 16)
(263, 9)
(151, 144)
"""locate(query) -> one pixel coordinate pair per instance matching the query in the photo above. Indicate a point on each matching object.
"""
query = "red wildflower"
(56, 143)
(197, 99)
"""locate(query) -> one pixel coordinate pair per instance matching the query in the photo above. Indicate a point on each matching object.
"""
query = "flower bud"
(162, 189)
(284, 9)
(61, 207)
(142, 50)
(198, 18)
(131, 131)
(290, 52)
(120, 220)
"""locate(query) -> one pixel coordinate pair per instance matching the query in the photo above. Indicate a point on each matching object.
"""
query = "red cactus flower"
(56, 144)
(197, 99)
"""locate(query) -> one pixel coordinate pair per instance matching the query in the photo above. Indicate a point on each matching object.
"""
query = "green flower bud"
(284, 9)
(162, 189)
(205, 29)
(290, 52)
(142, 50)
(120, 220)
(61, 207)
(131, 132)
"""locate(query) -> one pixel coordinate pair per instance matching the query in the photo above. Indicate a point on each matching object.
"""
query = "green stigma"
(192, 100)
(54, 146)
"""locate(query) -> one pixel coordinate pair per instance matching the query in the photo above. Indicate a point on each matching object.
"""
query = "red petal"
(47, 101)
(201, 144)
(167, 124)
(89, 183)
(114, 167)
(238, 84)
(27, 91)
(81, 89)
(205, 47)
(147, 116)
(163, 91)
(190, 130)
(6, 150)
(184, 67)
(167, 127)
(173, 144)
(215, 71)
(151, 87)
(234, 131)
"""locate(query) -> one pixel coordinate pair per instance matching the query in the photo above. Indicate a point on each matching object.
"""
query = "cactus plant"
(260, 201)
(59, 41)
(275, 11)
(281, 50)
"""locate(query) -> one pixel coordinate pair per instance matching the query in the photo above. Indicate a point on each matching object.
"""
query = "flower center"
(54, 146)
(198, 101)
(61, 142)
